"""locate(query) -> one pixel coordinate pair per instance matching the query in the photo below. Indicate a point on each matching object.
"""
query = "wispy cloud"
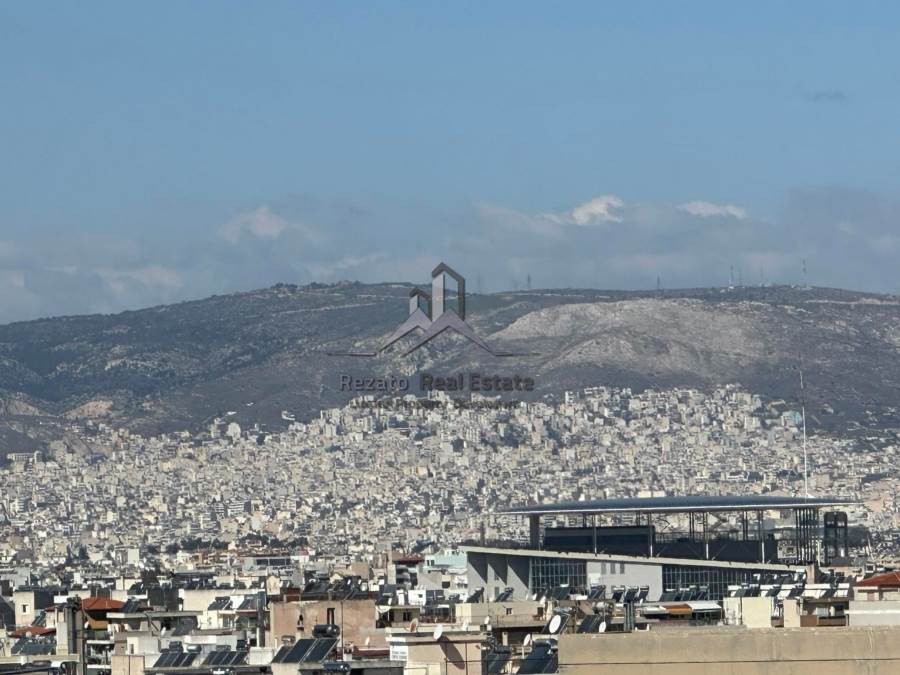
(603, 209)
(703, 209)
(848, 238)
(261, 223)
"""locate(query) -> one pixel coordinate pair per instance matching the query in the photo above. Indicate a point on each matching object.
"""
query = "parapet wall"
(820, 651)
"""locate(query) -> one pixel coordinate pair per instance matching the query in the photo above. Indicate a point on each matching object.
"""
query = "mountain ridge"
(256, 353)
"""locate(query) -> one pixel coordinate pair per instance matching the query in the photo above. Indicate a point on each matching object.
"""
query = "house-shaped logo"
(431, 314)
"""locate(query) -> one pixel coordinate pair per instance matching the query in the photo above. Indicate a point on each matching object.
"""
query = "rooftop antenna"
(803, 418)
(803, 269)
(528, 282)
(658, 284)
(731, 277)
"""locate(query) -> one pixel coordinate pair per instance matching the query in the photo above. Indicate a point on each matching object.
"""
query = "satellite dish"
(602, 627)
(527, 640)
(28, 634)
(438, 631)
(555, 624)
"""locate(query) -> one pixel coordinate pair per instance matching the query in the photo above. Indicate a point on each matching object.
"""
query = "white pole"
(803, 414)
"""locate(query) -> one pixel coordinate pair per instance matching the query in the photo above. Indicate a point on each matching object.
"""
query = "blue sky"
(157, 152)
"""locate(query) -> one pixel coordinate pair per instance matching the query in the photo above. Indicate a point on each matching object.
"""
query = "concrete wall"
(476, 571)
(626, 574)
(497, 572)
(27, 605)
(356, 618)
(736, 651)
(446, 658)
(123, 664)
(476, 612)
(874, 613)
(749, 612)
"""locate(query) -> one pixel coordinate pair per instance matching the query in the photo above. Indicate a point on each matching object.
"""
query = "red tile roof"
(34, 630)
(880, 580)
(101, 604)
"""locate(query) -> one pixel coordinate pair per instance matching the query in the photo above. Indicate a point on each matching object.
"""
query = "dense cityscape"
(401, 473)
(441, 338)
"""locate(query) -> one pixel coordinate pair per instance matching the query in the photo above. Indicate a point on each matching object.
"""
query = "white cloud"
(602, 209)
(261, 223)
(703, 209)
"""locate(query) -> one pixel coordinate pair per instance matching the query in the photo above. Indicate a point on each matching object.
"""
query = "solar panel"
(597, 593)
(185, 659)
(590, 624)
(220, 604)
(505, 595)
(213, 658)
(538, 660)
(495, 661)
(320, 650)
(165, 659)
(299, 650)
(283, 651)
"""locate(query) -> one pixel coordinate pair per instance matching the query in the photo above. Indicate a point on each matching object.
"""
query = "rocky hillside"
(259, 353)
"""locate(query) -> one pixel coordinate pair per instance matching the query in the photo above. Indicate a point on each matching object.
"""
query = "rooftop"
(888, 579)
(684, 504)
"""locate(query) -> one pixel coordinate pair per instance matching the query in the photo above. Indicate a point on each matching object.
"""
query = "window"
(716, 580)
(24, 609)
(621, 568)
(545, 573)
(329, 613)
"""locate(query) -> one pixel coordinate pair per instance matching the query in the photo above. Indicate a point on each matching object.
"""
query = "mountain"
(258, 353)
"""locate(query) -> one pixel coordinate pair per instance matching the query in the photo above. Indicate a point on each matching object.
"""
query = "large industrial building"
(662, 543)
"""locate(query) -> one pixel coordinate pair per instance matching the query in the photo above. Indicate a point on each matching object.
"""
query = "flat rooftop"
(685, 504)
(633, 559)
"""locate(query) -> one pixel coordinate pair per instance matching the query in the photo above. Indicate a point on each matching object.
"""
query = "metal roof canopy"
(685, 504)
